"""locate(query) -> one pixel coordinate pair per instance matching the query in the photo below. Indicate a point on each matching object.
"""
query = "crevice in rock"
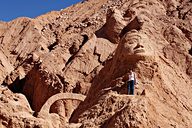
(16, 82)
(84, 73)
(73, 49)
(85, 39)
(24, 27)
(52, 46)
(185, 14)
(1, 37)
(186, 32)
(17, 85)
(13, 80)
(69, 60)
(98, 55)
(179, 12)
(101, 32)
(50, 26)
(190, 51)
(68, 28)
(134, 24)
(77, 87)
(1, 63)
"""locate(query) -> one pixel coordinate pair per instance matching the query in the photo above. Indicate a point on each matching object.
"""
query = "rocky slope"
(88, 49)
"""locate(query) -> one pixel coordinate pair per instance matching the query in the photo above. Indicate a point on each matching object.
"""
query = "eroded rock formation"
(89, 49)
(44, 111)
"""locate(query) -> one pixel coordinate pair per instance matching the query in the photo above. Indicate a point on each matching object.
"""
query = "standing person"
(131, 83)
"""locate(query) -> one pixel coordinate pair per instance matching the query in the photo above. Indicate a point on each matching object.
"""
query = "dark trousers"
(131, 87)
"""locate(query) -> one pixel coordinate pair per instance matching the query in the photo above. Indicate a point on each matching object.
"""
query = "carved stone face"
(134, 44)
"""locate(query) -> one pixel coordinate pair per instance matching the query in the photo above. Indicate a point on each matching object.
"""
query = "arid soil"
(70, 68)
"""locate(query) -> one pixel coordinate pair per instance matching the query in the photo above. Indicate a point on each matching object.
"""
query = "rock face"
(89, 49)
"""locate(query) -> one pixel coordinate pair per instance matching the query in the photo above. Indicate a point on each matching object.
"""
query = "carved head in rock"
(135, 45)
(133, 48)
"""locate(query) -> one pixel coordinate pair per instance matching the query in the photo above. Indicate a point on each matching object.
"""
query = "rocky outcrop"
(89, 49)
(16, 112)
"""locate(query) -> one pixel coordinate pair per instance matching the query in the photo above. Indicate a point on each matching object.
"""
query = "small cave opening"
(68, 28)
(73, 49)
(85, 39)
(17, 85)
(52, 46)
(190, 51)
